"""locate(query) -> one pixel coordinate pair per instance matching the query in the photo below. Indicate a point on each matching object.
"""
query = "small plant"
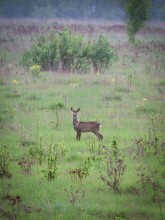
(50, 172)
(86, 166)
(75, 174)
(52, 158)
(152, 181)
(26, 166)
(74, 195)
(35, 70)
(11, 205)
(94, 147)
(143, 147)
(82, 171)
(115, 167)
(37, 152)
(56, 107)
(5, 163)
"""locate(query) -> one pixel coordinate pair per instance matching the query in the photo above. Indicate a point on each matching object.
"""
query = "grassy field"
(44, 171)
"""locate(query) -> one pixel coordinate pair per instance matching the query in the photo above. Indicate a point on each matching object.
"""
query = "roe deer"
(80, 126)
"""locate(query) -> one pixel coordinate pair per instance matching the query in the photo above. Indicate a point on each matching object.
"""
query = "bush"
(44, 52)
(101, 55)
(68, 52)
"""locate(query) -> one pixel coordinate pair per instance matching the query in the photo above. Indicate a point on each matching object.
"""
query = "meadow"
(44, 171)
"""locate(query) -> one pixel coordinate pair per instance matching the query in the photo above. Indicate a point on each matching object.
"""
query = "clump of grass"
(5, 163)
(56, 107)
(112, 98)
(146, 109)
(33, 98)
(123, 90)
(162, 83)
(1, 83)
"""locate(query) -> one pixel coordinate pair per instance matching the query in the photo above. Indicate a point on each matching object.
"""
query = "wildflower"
(145, 100)
(15, 82)
(35, 69)
(73, 85)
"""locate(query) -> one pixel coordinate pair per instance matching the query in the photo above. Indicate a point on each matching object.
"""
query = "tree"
(137, 11)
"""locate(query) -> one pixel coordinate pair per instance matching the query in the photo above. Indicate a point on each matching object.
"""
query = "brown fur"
(85, 126)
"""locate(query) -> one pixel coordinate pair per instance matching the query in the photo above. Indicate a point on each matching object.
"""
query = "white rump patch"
(100, 126)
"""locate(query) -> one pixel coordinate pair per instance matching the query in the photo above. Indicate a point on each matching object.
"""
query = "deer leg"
(100, 136)
(79, 135)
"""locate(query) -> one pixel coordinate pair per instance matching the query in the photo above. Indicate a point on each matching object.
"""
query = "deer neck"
(75, 122)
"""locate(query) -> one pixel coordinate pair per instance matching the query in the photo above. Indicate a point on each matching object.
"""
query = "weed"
(26, 166)
(86, 166)
(74, 195)
(50, 172)
(151, 180)
(12, 205)
(144, 147)
(37, 152)
(56, 107)
(112, 98)
(75, 174)
(115, 167)
(5, 163)
(94, 147)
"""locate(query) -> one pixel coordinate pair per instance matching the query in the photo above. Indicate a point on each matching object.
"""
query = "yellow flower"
(145, 100)
(15, 82)
(73, 85)
(35, 69)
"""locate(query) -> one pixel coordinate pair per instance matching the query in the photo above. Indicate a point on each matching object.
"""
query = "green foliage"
(4, 162)
(35, 70)
(137, 12)
(56, 107)
(68, 52)
(115, 167)
(37, 152)
(52, 158)
(50, 172)
(44, 52)
(101, 55)
(86, 166)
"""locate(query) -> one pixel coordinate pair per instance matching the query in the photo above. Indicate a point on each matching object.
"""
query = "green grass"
(123, 100)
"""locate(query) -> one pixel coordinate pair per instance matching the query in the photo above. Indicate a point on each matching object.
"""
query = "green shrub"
(68, 52)
(44, 52)
(101, 55)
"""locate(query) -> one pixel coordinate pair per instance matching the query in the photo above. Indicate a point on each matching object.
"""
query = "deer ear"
(78, 109)
(71, 109)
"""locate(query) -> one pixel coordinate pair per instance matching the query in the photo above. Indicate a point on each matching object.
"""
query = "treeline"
(76, 9)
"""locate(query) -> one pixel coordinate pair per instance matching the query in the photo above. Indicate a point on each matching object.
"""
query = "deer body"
(85, 126)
